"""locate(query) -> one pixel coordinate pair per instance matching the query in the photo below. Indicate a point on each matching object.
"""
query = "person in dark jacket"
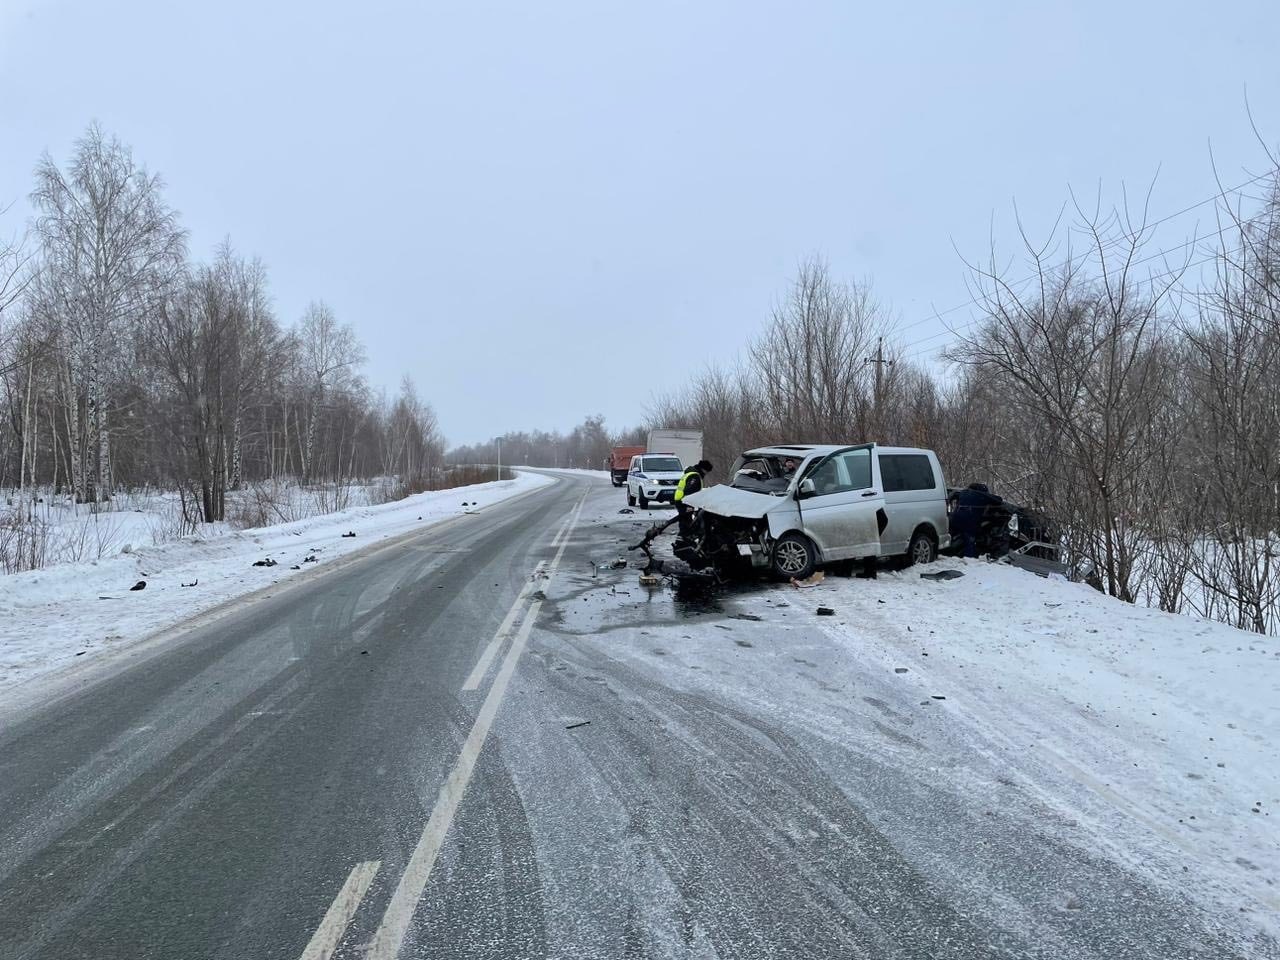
(969, 507)
(690, 483)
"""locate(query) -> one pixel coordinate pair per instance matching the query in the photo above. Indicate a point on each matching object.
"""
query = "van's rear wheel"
(922, 549)
(794, 557)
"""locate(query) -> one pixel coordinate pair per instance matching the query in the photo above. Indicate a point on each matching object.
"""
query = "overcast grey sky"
(544, 210)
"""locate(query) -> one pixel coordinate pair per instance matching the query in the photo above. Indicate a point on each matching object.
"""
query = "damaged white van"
(796, 507)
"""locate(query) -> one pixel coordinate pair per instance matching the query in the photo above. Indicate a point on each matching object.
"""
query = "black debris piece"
(310, 558)
(295, 567)
(899, 669)
(193, 583)
(626, 510)
(826, 612)
(81, 653)
(744, 616)
(942, 575)
(938, 696)
(576, 724)
(264, 563)
(364, 653)
(140, 585)
(349, 533)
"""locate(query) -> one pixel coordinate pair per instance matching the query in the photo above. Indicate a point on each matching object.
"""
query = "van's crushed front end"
(731, 531)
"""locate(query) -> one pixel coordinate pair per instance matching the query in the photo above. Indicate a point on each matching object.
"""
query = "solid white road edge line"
(329, 934)
(561, 530)
(482, 665)
(477, 674)
(390, 934)
(399, 913)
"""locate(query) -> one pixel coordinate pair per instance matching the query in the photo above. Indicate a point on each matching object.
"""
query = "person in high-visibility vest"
(690, 482)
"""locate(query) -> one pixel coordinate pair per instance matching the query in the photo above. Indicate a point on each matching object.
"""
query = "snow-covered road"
(506, 747)
(84, 610)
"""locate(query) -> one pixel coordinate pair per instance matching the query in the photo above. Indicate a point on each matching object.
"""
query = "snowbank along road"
(479, 742)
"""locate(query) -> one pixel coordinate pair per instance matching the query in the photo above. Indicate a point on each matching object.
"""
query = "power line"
(1147, 259)
(977, 320)
(1155, 223)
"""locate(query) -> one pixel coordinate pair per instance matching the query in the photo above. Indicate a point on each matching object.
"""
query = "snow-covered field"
(1153, 738)
(79, 609)
(74, 533)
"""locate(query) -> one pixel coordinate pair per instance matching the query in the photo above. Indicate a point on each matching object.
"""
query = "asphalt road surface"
(432, 752)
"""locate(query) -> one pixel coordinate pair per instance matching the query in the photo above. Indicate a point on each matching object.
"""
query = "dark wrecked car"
(1005, 526)
(793, 508)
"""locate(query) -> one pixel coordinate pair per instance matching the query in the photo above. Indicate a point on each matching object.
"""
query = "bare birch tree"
(328, 355)
(109, 243)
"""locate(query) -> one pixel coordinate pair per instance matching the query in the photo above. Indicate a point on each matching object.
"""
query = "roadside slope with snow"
(78, 610)
(1158, 734)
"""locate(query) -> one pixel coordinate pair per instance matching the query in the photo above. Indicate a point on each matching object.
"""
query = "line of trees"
(125, 362)
(1138, 405)
(585, 447)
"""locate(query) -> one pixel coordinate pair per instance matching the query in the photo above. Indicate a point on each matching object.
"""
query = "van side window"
(843, 473)
(906, 471)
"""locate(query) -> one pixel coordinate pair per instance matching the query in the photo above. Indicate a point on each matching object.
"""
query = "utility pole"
(880, 363)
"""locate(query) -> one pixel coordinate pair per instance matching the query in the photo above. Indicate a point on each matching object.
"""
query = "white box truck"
(684, 444)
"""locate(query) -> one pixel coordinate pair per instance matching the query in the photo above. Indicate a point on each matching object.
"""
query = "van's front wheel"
(794, 557)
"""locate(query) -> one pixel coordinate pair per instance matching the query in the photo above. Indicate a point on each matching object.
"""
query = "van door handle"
(872, 493)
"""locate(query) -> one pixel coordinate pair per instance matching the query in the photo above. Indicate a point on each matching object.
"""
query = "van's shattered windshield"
(764, 473)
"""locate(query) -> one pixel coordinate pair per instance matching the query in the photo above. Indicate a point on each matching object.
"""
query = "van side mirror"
(807, 487)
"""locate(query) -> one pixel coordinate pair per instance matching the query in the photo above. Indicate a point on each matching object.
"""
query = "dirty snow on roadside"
(78, 610)
(1141, 738)
(1158, 733)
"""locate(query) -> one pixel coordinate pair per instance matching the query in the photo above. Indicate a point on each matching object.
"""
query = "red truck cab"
(619, 463)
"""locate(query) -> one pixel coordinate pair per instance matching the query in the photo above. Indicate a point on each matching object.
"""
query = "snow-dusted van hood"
(727, 501)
